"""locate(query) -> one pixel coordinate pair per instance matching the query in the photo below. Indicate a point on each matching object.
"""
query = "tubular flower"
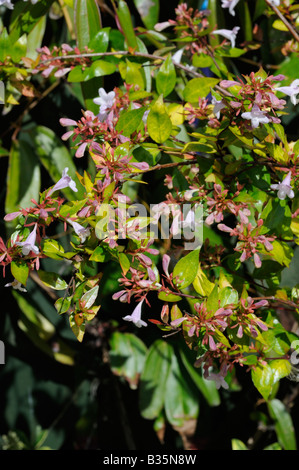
(29, 244)
(292, 90)
(16, 285)
(284, 188)
(81, 231)
(229, 34)
(105, 101)
(135, 317)
(256, 116)
(64, 182)
(230, 4)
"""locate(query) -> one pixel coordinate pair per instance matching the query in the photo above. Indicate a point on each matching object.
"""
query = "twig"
(132, 53)
(284, 20)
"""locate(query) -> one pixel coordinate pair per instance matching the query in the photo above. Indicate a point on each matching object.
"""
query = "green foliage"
(175, 132)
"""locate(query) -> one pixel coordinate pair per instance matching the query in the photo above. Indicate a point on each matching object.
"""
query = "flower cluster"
(254, 100)
(249, 240)
(50, 61)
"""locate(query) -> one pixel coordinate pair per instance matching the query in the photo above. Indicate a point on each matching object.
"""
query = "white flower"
(218, 105)
(7, 3)
(81, 231)
(275, 2)
(29, 244)
(177, 57)
(256, 116)
(230, 4)
(161, 26)
(284, 188)
(135, 317)
(105, 101)
(16, 285)
(229, 34)
(219, 380)
(64, 182)
(292, 90)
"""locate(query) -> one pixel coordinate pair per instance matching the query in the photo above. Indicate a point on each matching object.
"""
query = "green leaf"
(89, 298)
(127, 356)
(20, 271)
(124, 262)
(100, 41)
(282, 252)
(283, 424)
(5, 45)
(77, 329)
(198, 88)
(158, 122)
(153, 379)
(185, 271)
(132, 73)
(125, 20)
(166, 77)
(52, 280)
(99, 255)
(129, 121)
(181, 396)
(238, 445)
(40, 331)
(19, 49)
(265, 377)
(149, 12)
(63, 304)
(23, 177)
(99, 68)
(206, 387)
(88, 23)
(201, 283)
(25, 16)
(54, 250)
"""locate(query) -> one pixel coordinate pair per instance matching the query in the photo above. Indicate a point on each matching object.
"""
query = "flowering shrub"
(181, 171)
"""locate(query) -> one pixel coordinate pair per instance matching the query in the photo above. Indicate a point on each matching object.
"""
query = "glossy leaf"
(153, 379)
(20, 271)
(283, 423)
(88, 23)
(129, 121)
(265, 377)
(127, 356)
(149, 12)
(158, 122)
(125, 20)
(166, 77)
(52, 280)
(186, 269)
(23, 177)
(198, 88)
(181, 397)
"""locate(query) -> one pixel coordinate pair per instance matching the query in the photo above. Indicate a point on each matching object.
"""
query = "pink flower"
(218, 379)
